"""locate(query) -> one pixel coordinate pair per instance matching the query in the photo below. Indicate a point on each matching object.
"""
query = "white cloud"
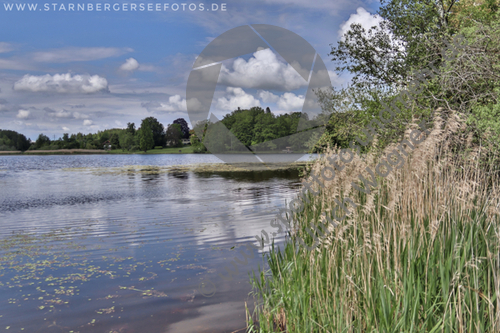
(262, 71)
(23, 114)
(5, 47)
(66, 129)
(362, 17)
(87, 122)
(64, 114)
(62, 83)
(237, 98)
(130, 65)
(367, 21)
(291, 102)
(268, 97)
(58, 114)
(79, 54)
(175, 103)
(78, 115)
(286, 102)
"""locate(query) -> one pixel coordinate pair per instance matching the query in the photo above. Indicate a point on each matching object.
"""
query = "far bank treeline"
(250, 126)
(150, 134)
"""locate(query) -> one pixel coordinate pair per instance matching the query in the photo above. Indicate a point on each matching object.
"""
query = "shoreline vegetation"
(419, 253)
(252, 127)
(419, 250)
(176, 150)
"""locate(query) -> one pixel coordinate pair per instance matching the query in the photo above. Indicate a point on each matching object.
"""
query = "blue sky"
(67, 71)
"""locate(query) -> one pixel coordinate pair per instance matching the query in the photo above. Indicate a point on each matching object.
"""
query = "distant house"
(106, 145)
(186, 141)
(288, 150)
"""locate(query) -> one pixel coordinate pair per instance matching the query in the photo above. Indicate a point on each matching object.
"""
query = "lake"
(88, 245)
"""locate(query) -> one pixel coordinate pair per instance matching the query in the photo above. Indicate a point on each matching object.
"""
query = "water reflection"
(126, 252)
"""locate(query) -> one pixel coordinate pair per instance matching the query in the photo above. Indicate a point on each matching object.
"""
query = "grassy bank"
(182, 150)
(419, 253)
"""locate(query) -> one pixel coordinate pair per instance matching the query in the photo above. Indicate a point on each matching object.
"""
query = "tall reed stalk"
(420, 253)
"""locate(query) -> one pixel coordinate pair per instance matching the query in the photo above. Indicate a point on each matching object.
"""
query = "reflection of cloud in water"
(250, 211)
(163, 222)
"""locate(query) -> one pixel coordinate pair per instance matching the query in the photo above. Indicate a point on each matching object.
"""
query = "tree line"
(258, 130)
(150, 134)
(251, 127)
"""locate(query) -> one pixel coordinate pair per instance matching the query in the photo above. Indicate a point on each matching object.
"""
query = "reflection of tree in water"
(150, 177)
(179, 175)
(252, 176)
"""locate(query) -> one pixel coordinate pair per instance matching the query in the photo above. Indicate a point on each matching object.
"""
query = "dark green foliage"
(256, 126)
(184, 127)
(11, 140)
(174, 135)
(146, 136)
(127, 140)
(157, 129)
(130, 128)
(42, 141)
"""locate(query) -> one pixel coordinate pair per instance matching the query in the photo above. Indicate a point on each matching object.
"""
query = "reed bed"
(419, 253)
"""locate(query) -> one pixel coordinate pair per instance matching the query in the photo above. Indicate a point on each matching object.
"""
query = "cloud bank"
(62, 83)
(71, 54)
(175, 104)
(263, 71)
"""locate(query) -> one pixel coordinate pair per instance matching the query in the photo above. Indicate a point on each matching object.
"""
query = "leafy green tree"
(174, 135)
(115, 140)
(11, 140)
(410, 35)
(184, 127)
(157, 129)
(42, 141)
(146, 137)
(130, 128)
(127, 141)
(103, 137)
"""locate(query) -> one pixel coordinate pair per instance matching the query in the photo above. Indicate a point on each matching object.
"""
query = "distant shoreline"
(184, 150)
(55, 152)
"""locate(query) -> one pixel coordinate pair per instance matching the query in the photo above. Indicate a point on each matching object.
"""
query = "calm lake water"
(87, 249)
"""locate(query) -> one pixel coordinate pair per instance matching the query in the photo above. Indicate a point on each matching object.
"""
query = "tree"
(130, 128)
(157, 129)
(184, 127)
(198, 147)
(115, 140)
(11, 140)
(42, 140)
(146, 137)
(410, 35)
(127, 140)
(174, 135)
(103, 137)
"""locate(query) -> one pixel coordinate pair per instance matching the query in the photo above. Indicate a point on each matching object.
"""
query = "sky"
(70, 71)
